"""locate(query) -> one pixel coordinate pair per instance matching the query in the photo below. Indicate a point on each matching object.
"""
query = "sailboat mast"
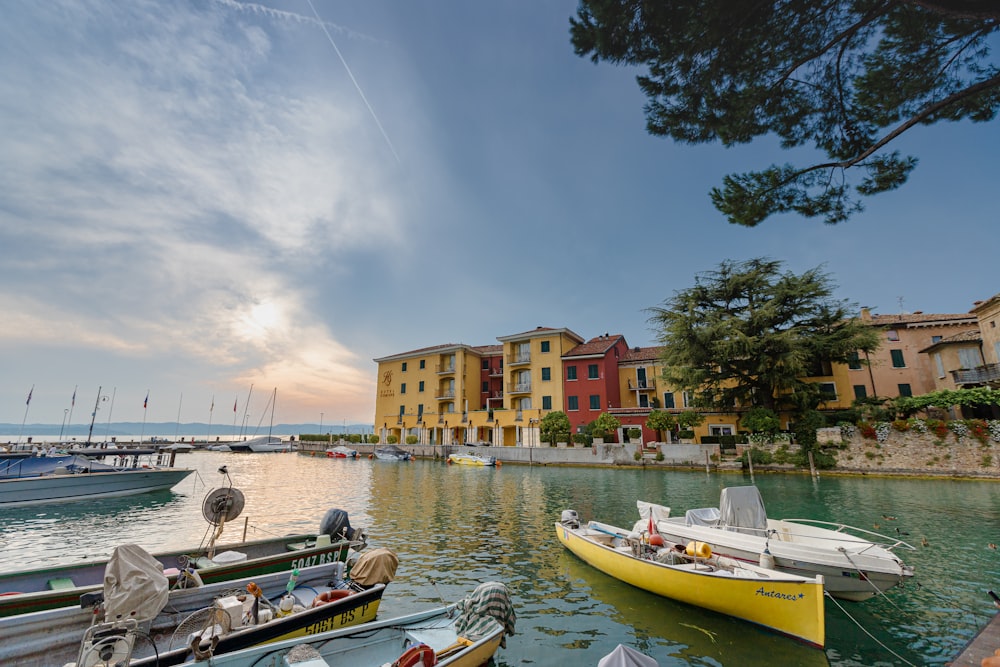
(93, 415)
(274, 399)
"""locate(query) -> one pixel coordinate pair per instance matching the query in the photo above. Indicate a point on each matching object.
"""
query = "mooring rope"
(864, 630)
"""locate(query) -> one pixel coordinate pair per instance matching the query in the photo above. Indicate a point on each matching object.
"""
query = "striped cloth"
(488, 606)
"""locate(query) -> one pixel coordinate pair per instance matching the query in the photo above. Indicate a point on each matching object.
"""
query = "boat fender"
(287, 605)
(766, 559)
(330, 596)
(418, 654)
(699, 549)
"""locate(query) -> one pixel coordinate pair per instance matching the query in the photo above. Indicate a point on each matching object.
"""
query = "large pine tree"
(748, 334)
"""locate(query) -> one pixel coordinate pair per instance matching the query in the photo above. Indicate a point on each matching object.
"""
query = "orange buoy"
(656, 540)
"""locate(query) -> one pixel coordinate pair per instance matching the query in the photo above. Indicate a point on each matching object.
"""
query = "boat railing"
(888, 543)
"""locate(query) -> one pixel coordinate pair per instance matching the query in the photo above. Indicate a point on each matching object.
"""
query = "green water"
(454, 526)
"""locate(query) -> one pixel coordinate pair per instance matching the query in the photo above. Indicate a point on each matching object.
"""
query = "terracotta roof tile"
(635, 354)
(970, 336)
(923, 318)
(595, 346)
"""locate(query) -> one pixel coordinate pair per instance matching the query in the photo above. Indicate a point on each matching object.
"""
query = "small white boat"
(465, 634)
(392, 453)
(626, 656)
(854, 567)
(341, 452)
(472, 460)
(44, 479)
(260, 445)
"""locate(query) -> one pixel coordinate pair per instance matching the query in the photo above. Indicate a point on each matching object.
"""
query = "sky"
(200, 198)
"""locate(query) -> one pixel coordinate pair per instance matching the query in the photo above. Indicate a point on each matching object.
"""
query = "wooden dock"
(983, 645)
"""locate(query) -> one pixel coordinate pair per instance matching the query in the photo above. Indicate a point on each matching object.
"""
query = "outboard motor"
(336, 524)
(570, 519)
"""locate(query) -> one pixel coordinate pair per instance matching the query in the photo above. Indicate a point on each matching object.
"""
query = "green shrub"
(411, 439)
(685, 433)
(637, 456)
(659, 456)
(635, 433)
(581, 439)
(391, 439)
(372, 439)
(355, 438)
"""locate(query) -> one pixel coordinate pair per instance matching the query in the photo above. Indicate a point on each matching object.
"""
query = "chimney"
(866, 314)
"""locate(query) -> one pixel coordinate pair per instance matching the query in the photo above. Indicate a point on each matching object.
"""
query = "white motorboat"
(341, 452)
(44, 479)
(472, 459)
(392, 453)
(853, 565)
(262, 444)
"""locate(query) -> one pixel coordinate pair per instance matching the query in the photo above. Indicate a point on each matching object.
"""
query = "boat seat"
(61, 584)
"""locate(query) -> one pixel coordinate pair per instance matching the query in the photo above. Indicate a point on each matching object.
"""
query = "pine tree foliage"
(847, 76)
(748, 334)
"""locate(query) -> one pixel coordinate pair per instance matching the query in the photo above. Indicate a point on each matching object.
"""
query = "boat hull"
(855, 576)
(792, 606)
(87, 486)
(49, 588)
(471, 460)
(377, 643)
(53, 636)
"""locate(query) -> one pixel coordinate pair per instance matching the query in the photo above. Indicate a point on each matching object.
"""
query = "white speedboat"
(392, 453)
(34, 480)
(472, 459)
(341, 452)
(853, 566)
(263, 444)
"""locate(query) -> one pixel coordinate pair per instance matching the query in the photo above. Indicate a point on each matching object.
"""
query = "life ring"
(330, 596)
(699, 549)
(418, 654)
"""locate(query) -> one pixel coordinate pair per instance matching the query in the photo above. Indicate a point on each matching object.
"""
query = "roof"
(971, 336)
(595, 346)
(488, 350)
(921, 319)
(636, 354)
(422, 351)
(539, 331)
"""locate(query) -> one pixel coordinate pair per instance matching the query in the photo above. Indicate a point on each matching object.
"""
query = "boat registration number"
(339, 620)
(315, 559)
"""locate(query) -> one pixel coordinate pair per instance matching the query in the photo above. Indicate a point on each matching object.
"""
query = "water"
(455, 526)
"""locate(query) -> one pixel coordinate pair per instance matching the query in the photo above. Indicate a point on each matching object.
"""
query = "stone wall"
(920, 453)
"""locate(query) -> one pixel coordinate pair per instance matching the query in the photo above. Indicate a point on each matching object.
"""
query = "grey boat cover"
(658, 512)
(134, 585)
(742, 509)
(624, 656)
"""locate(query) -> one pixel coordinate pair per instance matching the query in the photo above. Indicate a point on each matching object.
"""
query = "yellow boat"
(785, 603)
(472, 460)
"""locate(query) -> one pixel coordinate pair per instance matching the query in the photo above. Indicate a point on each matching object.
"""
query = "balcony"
(446, 395)
(496, 372)
(518, 359)
(445, 369)
(643, 385)
(519, 388)
(988, 374)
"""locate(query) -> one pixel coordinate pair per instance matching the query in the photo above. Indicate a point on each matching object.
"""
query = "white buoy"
(766, 559)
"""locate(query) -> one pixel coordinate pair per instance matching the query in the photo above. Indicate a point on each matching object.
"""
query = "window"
(546, 402)
(935, 339)
(668, 400)
(420, 387)
(904, 390)
(828, 390)
(546, 374)
(545, 346)
(423, 364)
(892, 335)
(854, 361)
(592, 373)
(486, 364)
(572, 403)
(643, 401)
(486, 387)
(939, 365)
(686, 399)
(860, 391)
(897, 359)
(402, 388)
(595, 402)
(969, 357)
(420, 411)
(571, 372)
(404, 366)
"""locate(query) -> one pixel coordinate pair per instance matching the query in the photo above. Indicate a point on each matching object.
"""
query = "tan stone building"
(898, 368)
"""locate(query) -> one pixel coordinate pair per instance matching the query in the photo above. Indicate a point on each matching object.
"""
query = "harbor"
(456, 526)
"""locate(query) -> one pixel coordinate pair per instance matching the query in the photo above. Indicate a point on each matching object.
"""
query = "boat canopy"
(658, 512)
(705, 516)
(742, 509)
(134, 584)
(625, 656)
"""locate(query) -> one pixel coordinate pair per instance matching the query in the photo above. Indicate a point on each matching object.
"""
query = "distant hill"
(116, 429)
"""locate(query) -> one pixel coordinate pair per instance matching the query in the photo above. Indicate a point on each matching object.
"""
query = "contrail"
(355, 82)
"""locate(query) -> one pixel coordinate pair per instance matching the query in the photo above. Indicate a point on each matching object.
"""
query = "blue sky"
(200, 196)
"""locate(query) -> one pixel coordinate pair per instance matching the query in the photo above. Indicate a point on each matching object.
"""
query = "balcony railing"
(517, 359)
(979, 375)
(496, 372)
(519, 388)
(446, 395)
(445, 369)
(642, 385)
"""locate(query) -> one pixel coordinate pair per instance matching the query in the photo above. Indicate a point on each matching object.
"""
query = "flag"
(234, 404)
(145, 401)
(212, 407)
(73, 400)
(30, 392)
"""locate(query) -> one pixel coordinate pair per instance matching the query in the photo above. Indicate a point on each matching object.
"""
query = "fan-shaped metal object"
(222, 505)
(208, 622)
